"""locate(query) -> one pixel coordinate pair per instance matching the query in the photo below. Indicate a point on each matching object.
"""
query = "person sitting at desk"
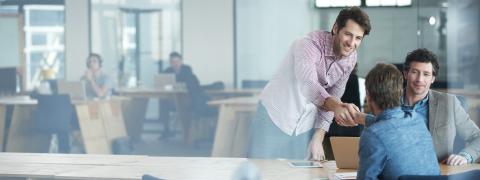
(441, 113)
(198, 98)
(97, 83)
(396, 143)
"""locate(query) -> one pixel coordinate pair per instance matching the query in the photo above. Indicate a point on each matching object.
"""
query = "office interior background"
(227, 41)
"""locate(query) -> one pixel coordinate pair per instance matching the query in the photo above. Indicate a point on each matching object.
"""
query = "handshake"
(348, 114)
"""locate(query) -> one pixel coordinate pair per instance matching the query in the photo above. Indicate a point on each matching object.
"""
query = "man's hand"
(315, 147)
(360, 118)
(455, 160)
(89, 74)
(345, 113)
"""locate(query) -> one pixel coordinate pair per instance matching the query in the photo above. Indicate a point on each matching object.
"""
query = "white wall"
(265, 30)
(76, 38)
(208, 43)
(10, 41)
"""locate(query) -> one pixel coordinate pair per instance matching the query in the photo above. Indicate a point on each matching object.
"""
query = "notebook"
(76, 89)
(345, 151)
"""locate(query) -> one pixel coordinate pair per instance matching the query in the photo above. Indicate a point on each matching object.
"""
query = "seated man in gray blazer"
(442, 113)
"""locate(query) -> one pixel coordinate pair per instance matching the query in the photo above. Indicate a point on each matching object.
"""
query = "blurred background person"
(97, 83)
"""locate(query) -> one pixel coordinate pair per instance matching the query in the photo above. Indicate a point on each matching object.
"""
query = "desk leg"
(224, 136)
(242, 135)
(22, 135)
(134, 112)
(3, 116)
(92, 128)
(184, 114)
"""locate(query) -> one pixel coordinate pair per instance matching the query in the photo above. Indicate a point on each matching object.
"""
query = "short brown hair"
(422, 55)
(356, 14)
(384, 84)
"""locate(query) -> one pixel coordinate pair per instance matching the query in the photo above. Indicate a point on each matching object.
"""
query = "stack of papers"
(345, 175)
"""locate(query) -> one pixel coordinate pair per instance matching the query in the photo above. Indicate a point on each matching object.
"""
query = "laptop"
(76, 89)
(165, 81)
(345, 151)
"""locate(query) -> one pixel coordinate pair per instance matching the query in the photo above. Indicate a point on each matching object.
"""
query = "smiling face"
(419, 78)
(347, 39)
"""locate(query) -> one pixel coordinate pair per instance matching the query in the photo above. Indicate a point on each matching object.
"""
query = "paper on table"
(346, 175)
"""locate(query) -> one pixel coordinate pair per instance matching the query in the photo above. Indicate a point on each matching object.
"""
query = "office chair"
(54, 115)
(474, 174)
(150, 177)
(254, 84)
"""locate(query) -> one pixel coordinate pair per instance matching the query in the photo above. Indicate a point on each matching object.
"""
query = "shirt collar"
(329, 45)
(421, 102)
(395, 112)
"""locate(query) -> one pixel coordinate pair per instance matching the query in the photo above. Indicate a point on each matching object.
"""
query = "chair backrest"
(474, 174)
(254, 84)
(149, 177)
(54, 113)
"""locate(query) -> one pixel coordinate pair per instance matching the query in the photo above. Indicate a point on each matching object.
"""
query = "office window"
(368, 3)
(336, 3)
(134, 36)
(388, 2)
(44, 43)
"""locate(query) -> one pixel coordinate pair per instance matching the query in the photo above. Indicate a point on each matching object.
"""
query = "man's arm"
(100, 90)
(372, 156)
(468, 130)
(344, 113)
(305, 53)
(316, 146)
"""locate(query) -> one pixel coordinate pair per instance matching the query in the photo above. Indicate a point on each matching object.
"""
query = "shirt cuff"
(466, 156)
(324, 119)
(369, 120)
(320, 100)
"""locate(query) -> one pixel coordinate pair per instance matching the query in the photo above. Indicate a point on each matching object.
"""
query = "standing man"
(304, 95)
(442, 113)
(396, 143)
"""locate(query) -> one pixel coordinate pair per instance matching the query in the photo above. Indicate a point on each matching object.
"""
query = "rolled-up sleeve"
(305, 55)
(325, 117)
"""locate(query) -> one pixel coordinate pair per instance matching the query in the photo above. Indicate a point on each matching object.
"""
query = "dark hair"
(91, 55)
(384, 85)
(424, 56)
(356, 14)
(175, 55)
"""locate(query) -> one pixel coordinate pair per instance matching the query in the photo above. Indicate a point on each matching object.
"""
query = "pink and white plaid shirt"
(309, 74)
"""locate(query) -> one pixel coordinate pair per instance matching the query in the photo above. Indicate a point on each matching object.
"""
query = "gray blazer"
(447, 118)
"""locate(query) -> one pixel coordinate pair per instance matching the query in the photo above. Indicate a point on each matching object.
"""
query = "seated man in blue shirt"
(396, 143)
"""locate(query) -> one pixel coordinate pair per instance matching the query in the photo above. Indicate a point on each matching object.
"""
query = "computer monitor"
(8, 80)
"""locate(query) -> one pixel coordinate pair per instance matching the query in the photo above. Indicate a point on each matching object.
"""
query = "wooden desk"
(135, 111)
(232, 134)
(100, 123)
(122, 167)
(232, 92)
